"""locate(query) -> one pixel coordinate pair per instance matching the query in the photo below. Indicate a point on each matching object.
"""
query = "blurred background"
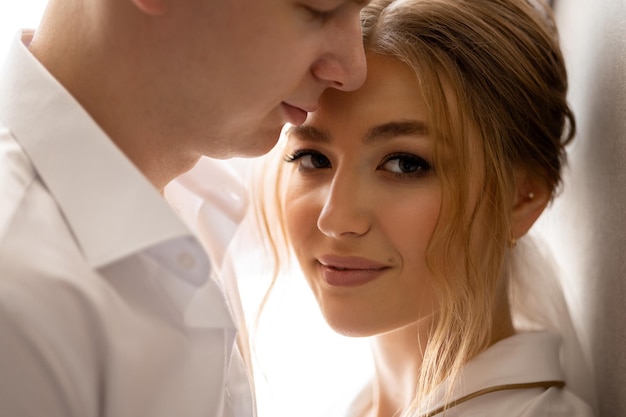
(15, 14)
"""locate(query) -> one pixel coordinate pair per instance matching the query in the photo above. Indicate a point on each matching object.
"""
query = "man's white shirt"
(109, 306)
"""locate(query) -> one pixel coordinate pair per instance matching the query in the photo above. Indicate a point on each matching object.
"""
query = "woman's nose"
(346, 211)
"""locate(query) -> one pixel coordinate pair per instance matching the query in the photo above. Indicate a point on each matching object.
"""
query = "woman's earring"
(531, 195)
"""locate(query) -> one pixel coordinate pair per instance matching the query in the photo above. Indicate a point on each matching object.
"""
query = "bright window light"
(16, 14)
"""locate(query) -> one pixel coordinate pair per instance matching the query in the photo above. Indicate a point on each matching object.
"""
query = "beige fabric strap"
(541, 384)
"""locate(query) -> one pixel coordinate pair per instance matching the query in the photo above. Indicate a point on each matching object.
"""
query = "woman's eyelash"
(294, 156)
(309, 160)
(400, 164)
(407, 163)
(406, 155)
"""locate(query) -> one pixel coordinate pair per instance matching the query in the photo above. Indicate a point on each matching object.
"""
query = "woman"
(404, 202)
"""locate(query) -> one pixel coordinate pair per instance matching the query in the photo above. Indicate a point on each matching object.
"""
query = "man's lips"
(296, 115)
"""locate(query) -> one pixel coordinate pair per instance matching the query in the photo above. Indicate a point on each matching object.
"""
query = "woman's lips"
(349, 271)
(295, 115)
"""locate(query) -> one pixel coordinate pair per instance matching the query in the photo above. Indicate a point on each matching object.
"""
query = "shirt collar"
(523, 359)
(112, 209)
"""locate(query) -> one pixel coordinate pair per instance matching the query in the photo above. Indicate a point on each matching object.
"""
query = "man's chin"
(251, 145)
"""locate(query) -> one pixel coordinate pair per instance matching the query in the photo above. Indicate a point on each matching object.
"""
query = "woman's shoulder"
(518, 376)
(537, 402)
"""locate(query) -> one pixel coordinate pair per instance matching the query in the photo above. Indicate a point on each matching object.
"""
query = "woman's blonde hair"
(494, 80)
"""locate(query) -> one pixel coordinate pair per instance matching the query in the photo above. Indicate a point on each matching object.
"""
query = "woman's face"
(363, 200)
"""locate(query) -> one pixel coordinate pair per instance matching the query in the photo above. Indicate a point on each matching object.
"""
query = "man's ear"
(151, 7)
(530, 199)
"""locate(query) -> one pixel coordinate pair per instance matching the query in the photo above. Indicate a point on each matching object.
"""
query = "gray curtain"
(587, 224)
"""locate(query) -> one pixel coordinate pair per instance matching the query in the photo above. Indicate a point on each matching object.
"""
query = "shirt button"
(186, 260)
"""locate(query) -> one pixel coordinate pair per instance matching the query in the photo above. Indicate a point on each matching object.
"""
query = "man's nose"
(343, 65)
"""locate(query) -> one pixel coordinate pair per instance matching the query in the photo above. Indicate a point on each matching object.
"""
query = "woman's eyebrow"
(308, 132)
(393, 129)
(384, 131)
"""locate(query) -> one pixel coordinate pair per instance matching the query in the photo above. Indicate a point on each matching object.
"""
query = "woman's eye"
(308, 159)
(405, 164)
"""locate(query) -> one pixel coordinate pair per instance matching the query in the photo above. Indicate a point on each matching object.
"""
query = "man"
(107, 307)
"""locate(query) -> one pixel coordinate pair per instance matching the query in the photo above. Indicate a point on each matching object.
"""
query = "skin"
(172, 80)
(379, 201)
(357, 202)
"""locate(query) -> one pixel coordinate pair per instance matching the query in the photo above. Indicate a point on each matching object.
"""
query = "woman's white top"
(519, 376)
